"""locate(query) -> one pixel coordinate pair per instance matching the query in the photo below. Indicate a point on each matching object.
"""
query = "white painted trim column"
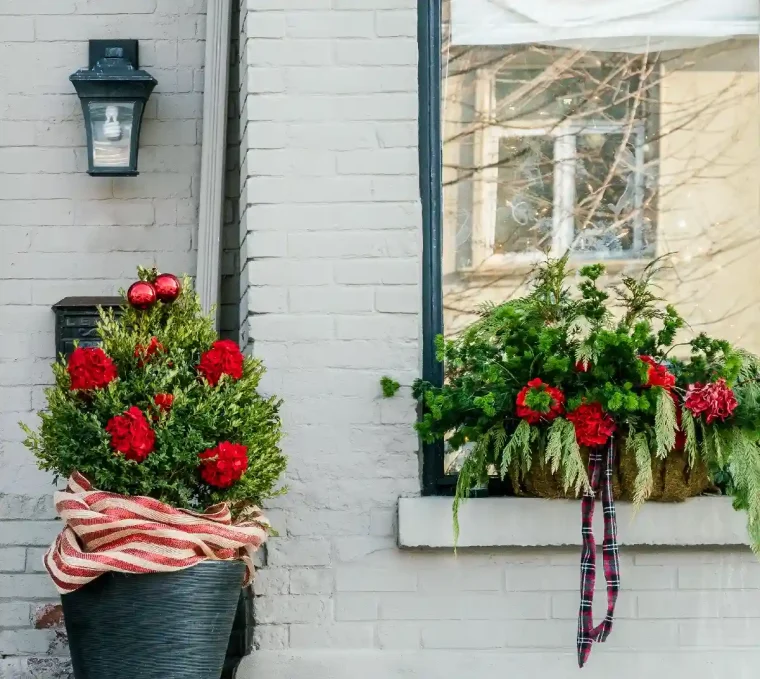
(214, 144)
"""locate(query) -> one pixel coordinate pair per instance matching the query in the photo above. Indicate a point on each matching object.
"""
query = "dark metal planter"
(157, 626)
(241, 637)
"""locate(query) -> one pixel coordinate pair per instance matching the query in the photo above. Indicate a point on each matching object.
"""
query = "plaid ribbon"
(600, 474)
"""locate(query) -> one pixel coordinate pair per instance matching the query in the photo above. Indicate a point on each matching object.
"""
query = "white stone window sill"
(426, 522)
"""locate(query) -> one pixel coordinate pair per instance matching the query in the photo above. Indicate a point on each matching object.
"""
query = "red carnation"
(658, 375)
(223, 465)
(144, 354)
(131, 434)
(164, 401)
(533, 389)
(224, 358)
(90, 368)
(716, 399)
(593, 427)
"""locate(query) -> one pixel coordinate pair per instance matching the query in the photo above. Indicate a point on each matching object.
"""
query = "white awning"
(619, 25)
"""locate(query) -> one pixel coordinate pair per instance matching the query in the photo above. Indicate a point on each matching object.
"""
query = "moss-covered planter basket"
(674, 480)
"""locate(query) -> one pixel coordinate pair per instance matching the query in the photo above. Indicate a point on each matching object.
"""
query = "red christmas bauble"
(167, 287)
(141, 295)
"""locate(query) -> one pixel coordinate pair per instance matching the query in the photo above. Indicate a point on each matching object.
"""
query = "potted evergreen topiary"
(168, 449)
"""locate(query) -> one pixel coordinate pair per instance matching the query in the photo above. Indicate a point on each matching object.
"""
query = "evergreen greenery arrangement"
(538, 380)
(162, 408)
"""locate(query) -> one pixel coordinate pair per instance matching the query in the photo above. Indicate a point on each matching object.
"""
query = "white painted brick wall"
(331, 214)
(65, 233)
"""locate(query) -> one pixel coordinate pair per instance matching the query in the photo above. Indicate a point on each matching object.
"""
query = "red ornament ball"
(167, 287)
(141, 295)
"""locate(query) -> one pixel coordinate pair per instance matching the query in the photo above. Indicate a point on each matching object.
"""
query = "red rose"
(223, 465)
(164, 401)
(144, 354)
(90, 368)
(658, 375)
(224, 358)
(716, 399)
(593, 427)
(131, 434)
(526, 402)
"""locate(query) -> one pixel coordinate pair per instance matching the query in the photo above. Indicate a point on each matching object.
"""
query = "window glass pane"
(610, 150)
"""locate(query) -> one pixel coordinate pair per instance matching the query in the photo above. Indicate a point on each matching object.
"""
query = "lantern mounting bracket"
(101, 49)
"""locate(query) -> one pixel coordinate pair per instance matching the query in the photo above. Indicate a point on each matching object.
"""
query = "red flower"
(224, 358)
(680, 443)
(90, 368)
(533, 389)
(583, 366)
(593, 427)
(658, 375)
(144, 354)
(164, 401)
(223, 465)
(131, 434)
(716, 399)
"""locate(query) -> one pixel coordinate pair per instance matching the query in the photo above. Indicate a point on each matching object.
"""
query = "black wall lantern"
(113, 91)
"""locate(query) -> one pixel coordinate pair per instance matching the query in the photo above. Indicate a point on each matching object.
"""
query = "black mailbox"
(76, 318)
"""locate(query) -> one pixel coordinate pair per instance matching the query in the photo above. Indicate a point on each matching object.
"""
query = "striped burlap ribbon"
(108, 532)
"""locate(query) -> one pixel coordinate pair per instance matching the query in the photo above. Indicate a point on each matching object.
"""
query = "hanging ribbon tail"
(600, 476)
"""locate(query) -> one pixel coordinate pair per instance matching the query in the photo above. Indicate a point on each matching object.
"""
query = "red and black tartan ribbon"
(600, 474)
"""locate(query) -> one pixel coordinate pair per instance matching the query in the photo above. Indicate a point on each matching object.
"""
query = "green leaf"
(574, 472)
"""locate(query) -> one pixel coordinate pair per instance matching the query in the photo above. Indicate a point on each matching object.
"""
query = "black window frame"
(434, 480)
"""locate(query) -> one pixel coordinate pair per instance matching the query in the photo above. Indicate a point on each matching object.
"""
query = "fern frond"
(744, 466)
(555, 443)
(665, 423)
(584, 354)
(574, 472)
(644, 483)
(474, 472)
(513, 449)
(690, 432)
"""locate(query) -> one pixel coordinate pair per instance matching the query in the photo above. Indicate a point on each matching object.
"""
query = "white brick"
(398, 636)
(389, 52)
(364, 579)
(335, 635)
(404, 299)
(396, 24)
(31, 533)
(311, 581)
(377, 327)
(289, 272)
(290, 609)
(267, 299)
(289, 53)
(392, 243)
(329, 523)
(395, 271)
(16, 29)
(34, 556)
(292, 327)
(12, 559)
(15, 614)
(739, 576)
(267, 25)
(472, 606)
(398, 161)
(25, 642)
(271, 581)
(330, 299)
(725, 632)
(470, 634)
(443, 579)
(261, 244)
(301, 552)
(27, 587)
(270, 637)
(698, 604)
(356, 606)
(351, 80)
(330, 25)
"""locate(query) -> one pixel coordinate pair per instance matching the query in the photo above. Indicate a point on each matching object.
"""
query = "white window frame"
(565, 134)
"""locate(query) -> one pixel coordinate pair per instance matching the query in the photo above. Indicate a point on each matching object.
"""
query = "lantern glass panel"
(111, 124)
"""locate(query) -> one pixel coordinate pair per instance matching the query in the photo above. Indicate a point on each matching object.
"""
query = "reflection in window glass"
(621, 156)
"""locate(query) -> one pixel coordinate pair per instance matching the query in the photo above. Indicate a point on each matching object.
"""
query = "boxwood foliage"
(72, 436)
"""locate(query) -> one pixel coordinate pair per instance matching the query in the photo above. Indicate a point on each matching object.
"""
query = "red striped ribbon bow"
(108, 532)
